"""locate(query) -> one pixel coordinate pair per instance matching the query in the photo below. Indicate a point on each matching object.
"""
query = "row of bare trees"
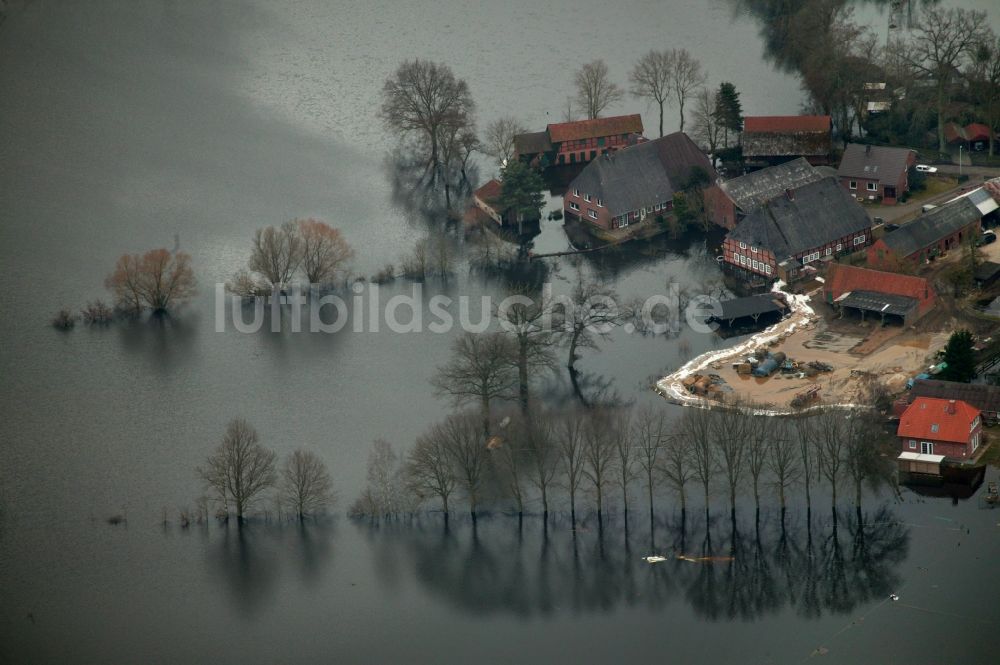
(241, 471)
(308, 247)
(601, 454)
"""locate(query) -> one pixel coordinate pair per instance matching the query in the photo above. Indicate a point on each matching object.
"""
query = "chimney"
(950, 409)
(789, 194)
(868, 149)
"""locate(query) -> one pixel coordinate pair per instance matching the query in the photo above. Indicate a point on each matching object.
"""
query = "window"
(767, 269)
(934, 428)
(600, 203)
(926, 448)
(743, 245)
(913, 444)
(829, 251)
(656, 207)
(586, 197)
(624, 221)
(753, 249)
(576, 193)
(859, 240)
(756, 266)
(839, 246)
(592, 213)
(573, 206)
(853, 184)
(872, 186)
(810, 257)
(743, 259)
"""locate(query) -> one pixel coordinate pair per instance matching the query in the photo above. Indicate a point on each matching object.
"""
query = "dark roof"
(873, 162)
(883, 303)
(752, 190)
(987, 271)
(532, 143)
(816, 214)
(644, 174)
(786, 136)
(983, 397)
(931, 227)
(750, 306)
(587, 129)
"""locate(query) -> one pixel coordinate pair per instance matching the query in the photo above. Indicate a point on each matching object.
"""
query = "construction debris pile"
(706, 384)
(761, 364)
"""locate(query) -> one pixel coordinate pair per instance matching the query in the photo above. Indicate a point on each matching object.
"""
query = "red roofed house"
(486, 199)
(978, 136)
(580, 141)
(946, 427)
(770, 140)
(884, 293)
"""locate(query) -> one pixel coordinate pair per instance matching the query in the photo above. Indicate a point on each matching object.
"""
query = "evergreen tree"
(521, 191)
(729, 110)
(960, 357)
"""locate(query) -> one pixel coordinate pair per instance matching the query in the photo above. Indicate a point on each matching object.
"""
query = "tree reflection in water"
(724, 570)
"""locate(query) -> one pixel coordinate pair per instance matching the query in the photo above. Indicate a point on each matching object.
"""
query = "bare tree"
(526, 320)
(626, 454)
(594, 90)
(832, 436)
(480, 371)
(499, 142)
(425, 98)
(651, 77)
(696, 427)
(276, 252)
(759, 434)
(593, 314)
(598, 453)
(240, 469)
(544, 454)
(513, 453)
(678, 467)
(783, 461)
(383, 477)
(942, 43)
(158, 280)
(730, 436)
(862, 458)
(685, 78)
(707, 127)
(430, 471)
(806, 437)
(570, 440)
(305, 484)
(650, 433)
(324, 251)
(466, 446)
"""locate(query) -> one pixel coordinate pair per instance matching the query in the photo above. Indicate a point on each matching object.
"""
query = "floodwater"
(131, 125)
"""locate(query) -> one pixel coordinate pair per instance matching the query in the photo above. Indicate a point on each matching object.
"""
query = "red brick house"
(740, 196)
(940, 230)
(885, 293)
(770, 140)
(782, 237)
(636, 184)
(946, 427)
(580, 141)
(876, 173)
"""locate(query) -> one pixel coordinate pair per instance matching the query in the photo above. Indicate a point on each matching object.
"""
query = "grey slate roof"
(878, 163)
(983, 397)
(818, 213)
(931, 227)
(644, 174)
(752, 190)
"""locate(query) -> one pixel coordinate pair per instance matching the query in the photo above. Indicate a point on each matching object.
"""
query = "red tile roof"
(842, 278)
(929, 419)
(489, 192)
(977, 132)
(587, 129)
(778, 124)
(953, 132)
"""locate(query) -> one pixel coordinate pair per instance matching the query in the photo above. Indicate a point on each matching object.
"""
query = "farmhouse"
(741, 196)
(930, 235)
(770, 140)
(783, 236)
(876, 173)
(889, 295)
(628, 186)
(578, 142)
(948, 427)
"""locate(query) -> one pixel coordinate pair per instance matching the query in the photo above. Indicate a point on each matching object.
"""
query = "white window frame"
(829, 251)
(743, 245)
(753, 249)
(872, 186)
(859, 240)
(913, 444)
(586, 197)
(755, 264)
(600, 203)
(853, 184)
(576, 193)
(840, 246)
(573, 206)
(767, 268)
(926, 447)
(592, 213)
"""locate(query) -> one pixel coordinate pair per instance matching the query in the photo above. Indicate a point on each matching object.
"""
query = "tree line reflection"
(723, 569)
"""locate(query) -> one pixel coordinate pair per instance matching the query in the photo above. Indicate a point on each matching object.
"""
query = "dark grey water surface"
(125, 124)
